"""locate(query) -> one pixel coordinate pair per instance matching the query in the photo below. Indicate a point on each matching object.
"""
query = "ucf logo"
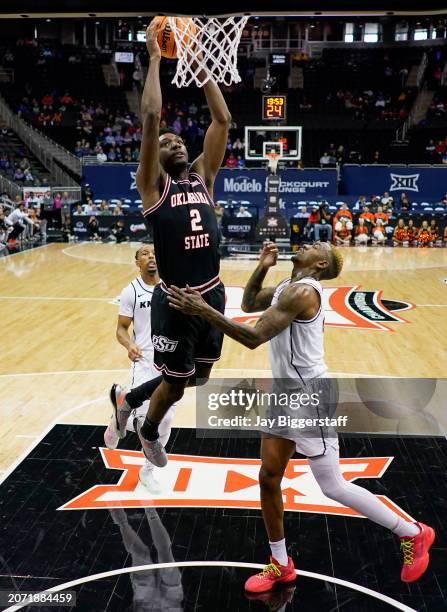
(406, 182)
(163, 344)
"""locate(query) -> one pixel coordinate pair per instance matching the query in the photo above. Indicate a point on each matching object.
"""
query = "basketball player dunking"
(178, 203)
(293, 322)
(135, 309)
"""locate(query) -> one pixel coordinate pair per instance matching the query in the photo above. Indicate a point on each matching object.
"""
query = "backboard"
(261, 139)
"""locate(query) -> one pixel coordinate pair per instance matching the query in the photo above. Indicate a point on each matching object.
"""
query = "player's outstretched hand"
(269, 254)
(151, 40)
(186, 300)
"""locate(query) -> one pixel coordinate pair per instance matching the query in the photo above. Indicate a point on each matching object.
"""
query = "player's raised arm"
(255, 296)
(295, 301)
(214, 145)
(150, 175)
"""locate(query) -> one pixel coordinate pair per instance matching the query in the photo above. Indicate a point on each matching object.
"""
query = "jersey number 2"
(195, 220)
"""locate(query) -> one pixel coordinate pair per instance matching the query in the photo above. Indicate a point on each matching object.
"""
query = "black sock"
(149, 430)
(136, 397)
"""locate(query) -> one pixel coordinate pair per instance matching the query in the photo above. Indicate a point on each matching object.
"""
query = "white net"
(207, 44)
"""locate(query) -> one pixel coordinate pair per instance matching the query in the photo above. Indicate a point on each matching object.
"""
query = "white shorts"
(311, 440)
(141, 371)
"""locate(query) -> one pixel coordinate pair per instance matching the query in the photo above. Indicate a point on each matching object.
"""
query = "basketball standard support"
(273, 224)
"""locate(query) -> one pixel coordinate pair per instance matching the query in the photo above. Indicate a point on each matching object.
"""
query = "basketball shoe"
(110, 438)
(415, 553)
(153, 449)
(272, 574)
(148, 479)
(275, 599)
(121, 411)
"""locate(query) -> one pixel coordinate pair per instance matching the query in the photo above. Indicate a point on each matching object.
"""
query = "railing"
(421, 84)
(444, 75)
(45, 149)
(421, 70)
(9, 187)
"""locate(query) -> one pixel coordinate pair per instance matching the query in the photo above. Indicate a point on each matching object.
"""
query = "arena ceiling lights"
(135, 8)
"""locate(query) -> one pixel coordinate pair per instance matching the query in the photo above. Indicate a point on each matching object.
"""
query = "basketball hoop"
(209, 44)
(273, 159)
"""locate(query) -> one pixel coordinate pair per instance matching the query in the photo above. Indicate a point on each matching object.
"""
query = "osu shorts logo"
(217, 482)
(163, 344)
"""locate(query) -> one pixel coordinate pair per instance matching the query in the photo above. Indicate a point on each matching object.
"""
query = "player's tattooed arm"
(150, 175)
(297, 301)
(256, 297)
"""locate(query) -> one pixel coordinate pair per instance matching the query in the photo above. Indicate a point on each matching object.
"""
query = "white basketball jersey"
(135, 302)
(298, 351)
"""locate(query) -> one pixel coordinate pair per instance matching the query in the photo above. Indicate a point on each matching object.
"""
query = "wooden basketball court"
(74, 514)
(60, 356)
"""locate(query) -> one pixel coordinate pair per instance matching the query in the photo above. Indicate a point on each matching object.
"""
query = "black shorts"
(182, 340)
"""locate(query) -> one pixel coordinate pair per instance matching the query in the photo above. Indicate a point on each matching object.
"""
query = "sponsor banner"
(216, 482)
(251, 185)
(111, 181)
(118, 181)
(416, 182)
(134, 226)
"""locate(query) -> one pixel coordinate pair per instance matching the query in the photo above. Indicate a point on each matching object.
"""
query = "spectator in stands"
(405, 204)
(104, 208)
(387, 200)
(376, 158)
(231, 161)
(101, 156)
(240, 162)
(88, 206)
(424, 237)
(360, 204)
(118, 210)
(19, 175)
(343, 232)
(361, 233)
(323, 221)
(47, 201)
(118, 232)
(379, 233)
(93, 228)
(434, 229)
(445, 235)
(369, 218)
(343, 213)
(400, 234)
(238, 147)
(325, 160)
(243, 212)
(78, 210)
(430, 152)
(380, 216)
(412, 232)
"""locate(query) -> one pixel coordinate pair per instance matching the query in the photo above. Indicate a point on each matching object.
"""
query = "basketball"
(165, 35)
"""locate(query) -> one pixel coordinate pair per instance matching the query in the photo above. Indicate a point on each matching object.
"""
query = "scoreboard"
(274, 108)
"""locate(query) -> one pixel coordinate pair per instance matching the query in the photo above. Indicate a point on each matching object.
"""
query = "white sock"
(406, 529)
(279, 551)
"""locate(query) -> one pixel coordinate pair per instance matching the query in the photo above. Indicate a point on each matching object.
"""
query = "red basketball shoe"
(271, 574)
(415, 553)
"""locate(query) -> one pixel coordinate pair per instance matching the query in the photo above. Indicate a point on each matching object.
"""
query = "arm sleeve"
(127, 301)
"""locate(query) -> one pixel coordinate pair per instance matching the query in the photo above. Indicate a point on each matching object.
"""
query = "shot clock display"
(274, 108)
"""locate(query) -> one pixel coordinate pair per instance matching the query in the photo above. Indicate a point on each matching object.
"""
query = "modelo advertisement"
(416, 182)
(251, 185)
(118, 181)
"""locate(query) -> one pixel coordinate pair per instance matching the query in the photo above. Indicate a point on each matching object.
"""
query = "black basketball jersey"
(186, 237)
